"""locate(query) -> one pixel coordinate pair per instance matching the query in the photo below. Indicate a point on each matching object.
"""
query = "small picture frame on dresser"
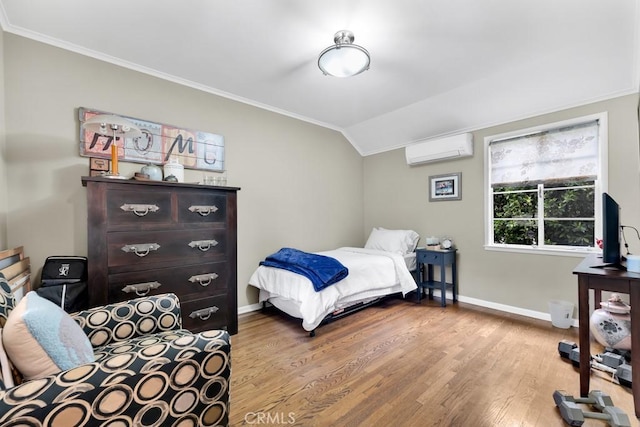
(445, 187)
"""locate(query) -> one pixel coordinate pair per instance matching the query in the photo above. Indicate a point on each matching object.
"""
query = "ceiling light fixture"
(344, 59)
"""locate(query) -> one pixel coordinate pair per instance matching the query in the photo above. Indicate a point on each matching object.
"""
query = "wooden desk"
(603, 279)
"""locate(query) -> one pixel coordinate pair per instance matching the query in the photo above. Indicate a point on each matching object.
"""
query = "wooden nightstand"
(442, 258)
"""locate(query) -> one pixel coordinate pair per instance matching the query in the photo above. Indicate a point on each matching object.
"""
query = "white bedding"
(372, 273)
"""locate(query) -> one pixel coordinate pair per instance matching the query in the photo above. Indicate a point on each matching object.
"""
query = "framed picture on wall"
(445, 187)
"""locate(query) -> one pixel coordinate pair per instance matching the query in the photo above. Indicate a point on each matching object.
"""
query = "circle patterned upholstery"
(7, 300)
(148, 372)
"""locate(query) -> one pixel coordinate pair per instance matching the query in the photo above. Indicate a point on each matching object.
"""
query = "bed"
(382, 268)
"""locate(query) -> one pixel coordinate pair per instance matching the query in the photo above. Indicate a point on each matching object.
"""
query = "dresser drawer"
(138, 208)
(190, 282)
(204, 314)
(175, 247)
(202, 207)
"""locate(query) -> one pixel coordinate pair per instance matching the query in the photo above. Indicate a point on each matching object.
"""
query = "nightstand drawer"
(429, 257)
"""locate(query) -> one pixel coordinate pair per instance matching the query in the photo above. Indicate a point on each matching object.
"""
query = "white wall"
(302, 184)
(396, 195)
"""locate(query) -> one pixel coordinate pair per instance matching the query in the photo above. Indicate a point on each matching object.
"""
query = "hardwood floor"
(405, 364)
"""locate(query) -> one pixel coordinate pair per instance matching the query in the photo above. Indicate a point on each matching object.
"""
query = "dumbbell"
(623, 373)
(574, 416)
(565, 347)
(624, 353)
(596, 398)
(574, 356)
(569, 350)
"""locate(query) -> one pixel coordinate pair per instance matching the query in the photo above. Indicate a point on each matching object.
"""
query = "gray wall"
(396, 195)
(302, 184)
(3, 168)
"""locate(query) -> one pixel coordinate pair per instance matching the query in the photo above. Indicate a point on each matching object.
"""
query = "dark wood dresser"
(152, 237)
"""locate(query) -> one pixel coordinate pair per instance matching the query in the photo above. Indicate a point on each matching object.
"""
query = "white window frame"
(601, 185)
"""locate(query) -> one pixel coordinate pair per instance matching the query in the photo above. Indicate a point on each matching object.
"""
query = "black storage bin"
(64, 282)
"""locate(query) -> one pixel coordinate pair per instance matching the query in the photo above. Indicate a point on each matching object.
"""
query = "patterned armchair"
(147, 371)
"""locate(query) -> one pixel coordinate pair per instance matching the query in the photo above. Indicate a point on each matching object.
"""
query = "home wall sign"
(159, 142)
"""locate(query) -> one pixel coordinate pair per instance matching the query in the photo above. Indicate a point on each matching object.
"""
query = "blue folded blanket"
(322, 270)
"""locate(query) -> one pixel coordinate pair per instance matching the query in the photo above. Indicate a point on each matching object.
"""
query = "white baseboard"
(468, 300)
(506, 308)
(249, 308)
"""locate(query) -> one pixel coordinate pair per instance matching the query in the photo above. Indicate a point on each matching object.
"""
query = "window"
(542, 184)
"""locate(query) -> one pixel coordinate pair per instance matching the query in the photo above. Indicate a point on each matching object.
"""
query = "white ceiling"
(438, 67)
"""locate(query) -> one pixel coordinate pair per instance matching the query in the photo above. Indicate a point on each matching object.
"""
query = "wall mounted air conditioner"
(435, 150)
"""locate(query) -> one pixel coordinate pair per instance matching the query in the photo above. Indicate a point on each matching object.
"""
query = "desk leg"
(634, 300)
(584, 343)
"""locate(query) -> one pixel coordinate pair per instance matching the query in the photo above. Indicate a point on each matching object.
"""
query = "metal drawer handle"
(141, 249)
(204, 313)
(140, 210)
(203, 245)
(203, 210)
(203, 279)
(141, 289)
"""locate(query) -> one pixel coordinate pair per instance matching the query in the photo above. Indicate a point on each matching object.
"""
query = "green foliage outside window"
(568, 217)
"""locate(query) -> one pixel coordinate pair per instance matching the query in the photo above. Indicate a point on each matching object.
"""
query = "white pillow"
(398, 241)
(42, 339)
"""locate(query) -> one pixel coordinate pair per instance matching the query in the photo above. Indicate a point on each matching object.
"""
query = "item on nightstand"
(447, 243)
(433, 243)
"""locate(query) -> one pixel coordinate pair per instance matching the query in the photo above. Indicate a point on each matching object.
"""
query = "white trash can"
(561, 313)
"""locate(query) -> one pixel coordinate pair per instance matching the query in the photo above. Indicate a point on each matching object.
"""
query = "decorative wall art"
(445, 187)
(192, 149)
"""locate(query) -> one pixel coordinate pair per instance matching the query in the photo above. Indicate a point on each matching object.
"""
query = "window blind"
(559, 154)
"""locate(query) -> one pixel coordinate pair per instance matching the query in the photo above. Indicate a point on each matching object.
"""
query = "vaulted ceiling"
(438, 67)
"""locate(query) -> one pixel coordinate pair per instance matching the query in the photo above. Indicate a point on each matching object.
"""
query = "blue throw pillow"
(42, 339)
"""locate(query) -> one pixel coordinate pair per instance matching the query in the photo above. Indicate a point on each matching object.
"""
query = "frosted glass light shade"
(344, 59)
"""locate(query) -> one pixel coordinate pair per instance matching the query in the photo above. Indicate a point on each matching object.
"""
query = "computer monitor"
(610, 231)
